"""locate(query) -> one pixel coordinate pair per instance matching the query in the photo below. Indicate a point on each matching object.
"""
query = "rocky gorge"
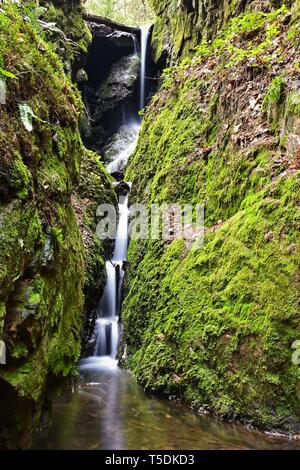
(215, 328)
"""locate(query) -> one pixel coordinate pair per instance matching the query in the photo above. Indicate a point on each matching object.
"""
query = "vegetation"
(131, 12)
(216, 325)
(44, 268)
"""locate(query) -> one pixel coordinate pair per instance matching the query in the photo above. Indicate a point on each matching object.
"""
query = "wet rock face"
(183, 24)
(113, 74)
(48, 263)
(70, 34)
(118, 38)
(120, 84)
(233, 145)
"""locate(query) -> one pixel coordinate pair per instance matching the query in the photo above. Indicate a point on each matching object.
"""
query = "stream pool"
(109, 410)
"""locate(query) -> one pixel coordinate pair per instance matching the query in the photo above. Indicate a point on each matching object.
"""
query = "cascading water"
(145, 35)
(135, 46)
(107, 328)
(108, 410)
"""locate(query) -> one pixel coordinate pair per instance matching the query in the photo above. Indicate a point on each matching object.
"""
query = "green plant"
(57, 235)
(6, 73)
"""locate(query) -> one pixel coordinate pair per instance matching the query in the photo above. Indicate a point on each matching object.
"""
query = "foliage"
(131, 12)
(215, 326)
(6, 73)
(27, 115)
(42, 272)
(231, 46)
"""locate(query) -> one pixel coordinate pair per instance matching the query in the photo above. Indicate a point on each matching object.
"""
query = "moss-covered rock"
(41, 254)
(216, 325)
(66, 28)
(46, 266)
(95, 188)
(182, 24)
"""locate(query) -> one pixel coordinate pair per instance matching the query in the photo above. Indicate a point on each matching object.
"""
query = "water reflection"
(110, 411)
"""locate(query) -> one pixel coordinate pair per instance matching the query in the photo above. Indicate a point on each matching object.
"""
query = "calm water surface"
(109, 410)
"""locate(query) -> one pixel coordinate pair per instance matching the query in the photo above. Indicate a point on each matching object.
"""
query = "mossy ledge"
(47, 263)
(215, 326)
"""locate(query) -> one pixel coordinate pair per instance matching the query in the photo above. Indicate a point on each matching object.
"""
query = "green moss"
(34, 299)
(233, 45)
(275, 92)
(215, 325)
(20, 178)
(57, 235)
(20, 351)
(74, 41)
(273, 100)
(41, 250)
(179, 28)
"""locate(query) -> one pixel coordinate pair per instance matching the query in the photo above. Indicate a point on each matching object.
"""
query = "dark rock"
(85, 128)
(122, 188)
(120, 84)
(118, 175)
(120, 39)
(82, 76)
(16, 418)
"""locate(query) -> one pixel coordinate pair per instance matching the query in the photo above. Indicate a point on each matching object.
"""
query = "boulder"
(120, 39)
(122, 188)
(82, 76)
(119, 86)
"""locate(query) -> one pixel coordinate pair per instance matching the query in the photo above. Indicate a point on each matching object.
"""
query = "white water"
(124, 143)
(135, 45)
(145, 35)
(107, 323)
(121, 246)
(107, 327)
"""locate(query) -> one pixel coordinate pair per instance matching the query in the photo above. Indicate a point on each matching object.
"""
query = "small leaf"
(26, 115)
(6, 73)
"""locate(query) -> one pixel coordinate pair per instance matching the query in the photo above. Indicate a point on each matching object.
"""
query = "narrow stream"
(109, 410)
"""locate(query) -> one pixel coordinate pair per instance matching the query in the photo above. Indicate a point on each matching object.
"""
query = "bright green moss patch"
(20, 178)
(224, 320)
(215, 325)
(42, 260)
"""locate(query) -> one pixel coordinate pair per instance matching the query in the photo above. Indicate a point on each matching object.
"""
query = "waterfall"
(135, 45)
(107, 328)
(121, 246)
(109, 308)
(145, 34)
